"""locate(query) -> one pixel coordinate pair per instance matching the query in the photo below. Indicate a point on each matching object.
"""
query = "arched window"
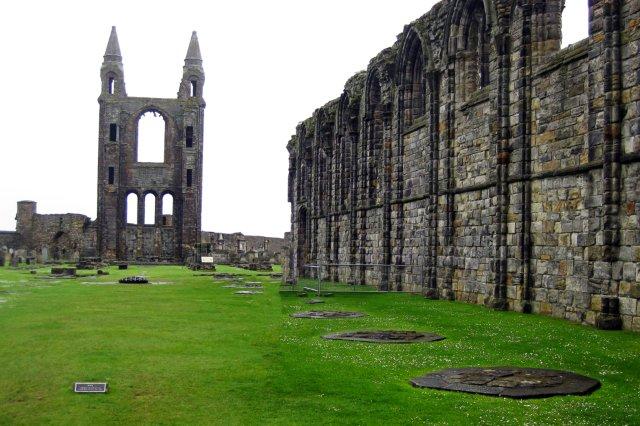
(575, 22)
(475, 47)
(323, 186)
(167, 204)
(374, 136)
(167, 210)
(193, 88)
(345, 170)
(149, 209)
(111, 85)
(132, 208)
(151, 137)
(348, 144)
(413, 80)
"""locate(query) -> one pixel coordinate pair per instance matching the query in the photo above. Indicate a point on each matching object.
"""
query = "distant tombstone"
(79, 387)
(1, 259)
(71, 272)
(123, 266)
(45, 254)
(14, 261)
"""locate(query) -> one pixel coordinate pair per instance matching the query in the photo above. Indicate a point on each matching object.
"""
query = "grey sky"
(268, 65)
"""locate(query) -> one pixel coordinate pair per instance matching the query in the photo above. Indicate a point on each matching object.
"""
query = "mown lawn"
(187, 351)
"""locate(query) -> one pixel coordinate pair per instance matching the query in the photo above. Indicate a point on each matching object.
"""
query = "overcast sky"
(268, 65)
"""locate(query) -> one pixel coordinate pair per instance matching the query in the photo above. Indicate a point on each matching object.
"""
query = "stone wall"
(71, 236)
(481, 162)
(50, 237)
(8, 239)
(238, 248)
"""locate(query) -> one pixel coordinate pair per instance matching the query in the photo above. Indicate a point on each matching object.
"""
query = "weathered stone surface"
(509, 382)
(385, 336)
(248, 292)
(327, 314)
(244, 251)
(468, 168)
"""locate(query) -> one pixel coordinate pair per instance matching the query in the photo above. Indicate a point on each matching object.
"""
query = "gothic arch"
(347, 140)
(412, 77)
(134, 123)
(374, 129)
(469, 44)
(131, 210)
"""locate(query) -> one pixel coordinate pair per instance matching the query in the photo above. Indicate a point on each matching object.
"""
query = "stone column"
(431, 222)
(604, 136)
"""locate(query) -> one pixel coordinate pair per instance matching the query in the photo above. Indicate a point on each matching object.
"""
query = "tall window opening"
(111, 85)
(113, 132)
(189, 136)
(189, 177)
(476, 52)
(374, 137)
(194, 88)
(111, 175)
(575, 22)
(348, 141)
(167, 209)
(132, 208)
(151, 137)
(167, 204)
(149, 209)
(323, 186)
(345, 170)
(414, 80)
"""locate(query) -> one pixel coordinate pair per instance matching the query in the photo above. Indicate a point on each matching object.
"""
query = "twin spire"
(193, 58)
(112, 54)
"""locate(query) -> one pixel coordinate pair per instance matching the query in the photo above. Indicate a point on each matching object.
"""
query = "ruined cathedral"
(149, 210)
(476, 160)
(123, 179)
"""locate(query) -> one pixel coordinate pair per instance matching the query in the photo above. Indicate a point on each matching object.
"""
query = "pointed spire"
(112, 54)
(193, 57)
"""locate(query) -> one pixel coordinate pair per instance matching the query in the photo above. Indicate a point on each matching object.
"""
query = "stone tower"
(122, 178)
(24, 220)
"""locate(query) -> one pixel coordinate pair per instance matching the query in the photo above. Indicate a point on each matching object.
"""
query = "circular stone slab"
(248, 292)
(385, 336)
(508, 382)
(327, 314)
(315, 301)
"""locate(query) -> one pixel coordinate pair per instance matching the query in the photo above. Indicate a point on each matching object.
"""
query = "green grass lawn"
(188, 351)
